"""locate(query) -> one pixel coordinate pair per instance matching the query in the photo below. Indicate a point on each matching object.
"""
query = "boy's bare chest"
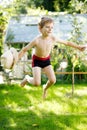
(45, 45)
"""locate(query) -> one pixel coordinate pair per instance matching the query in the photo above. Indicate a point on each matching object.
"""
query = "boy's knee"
(53, 81)
(37, 83)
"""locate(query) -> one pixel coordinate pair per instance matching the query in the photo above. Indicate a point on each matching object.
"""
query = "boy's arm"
(25, 49)
(71, 44)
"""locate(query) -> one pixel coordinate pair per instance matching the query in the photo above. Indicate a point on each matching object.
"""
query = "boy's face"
(47, 29)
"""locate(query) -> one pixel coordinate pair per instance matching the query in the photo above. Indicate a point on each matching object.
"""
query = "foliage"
(77, 34)
(3, 22)
(61, 5)
(2, 27)
(75, 58)
(24, 109)
(56, 57)
(36, 7)
(78, 6)
(20, 7)
(10, 36)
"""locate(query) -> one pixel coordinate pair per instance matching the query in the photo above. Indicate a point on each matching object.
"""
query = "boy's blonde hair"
(45, 20)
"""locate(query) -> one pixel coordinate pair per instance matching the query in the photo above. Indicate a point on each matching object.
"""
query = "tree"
(48, 5)
(78, 6)
(3, 22)
(77, 36)
(61, 5)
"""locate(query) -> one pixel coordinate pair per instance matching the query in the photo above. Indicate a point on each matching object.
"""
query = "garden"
(65, 108)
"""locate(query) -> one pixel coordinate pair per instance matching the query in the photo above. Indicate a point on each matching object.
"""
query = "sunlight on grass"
(60, 94)
(4, 91)
(12, 122)
(82, 92)
(10, 104)
(27, 87)
(81, 126)
(22, 108)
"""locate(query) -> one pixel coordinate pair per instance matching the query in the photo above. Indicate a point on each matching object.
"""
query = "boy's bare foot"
(23, 82)
(44, 92)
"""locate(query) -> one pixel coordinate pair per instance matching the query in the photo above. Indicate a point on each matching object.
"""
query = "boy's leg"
(24, 82)
(35, 80)
(51, 79)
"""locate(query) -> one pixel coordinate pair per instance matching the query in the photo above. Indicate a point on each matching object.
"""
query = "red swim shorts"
(40, 62)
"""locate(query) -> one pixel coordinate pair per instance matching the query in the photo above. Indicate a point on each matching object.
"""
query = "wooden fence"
(70, 72)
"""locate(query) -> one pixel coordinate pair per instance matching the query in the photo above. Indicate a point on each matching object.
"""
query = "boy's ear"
(39, 28)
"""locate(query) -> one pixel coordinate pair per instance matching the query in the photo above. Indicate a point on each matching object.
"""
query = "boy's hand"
(82, 48)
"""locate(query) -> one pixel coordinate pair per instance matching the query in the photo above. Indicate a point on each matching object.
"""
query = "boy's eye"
(49, 27)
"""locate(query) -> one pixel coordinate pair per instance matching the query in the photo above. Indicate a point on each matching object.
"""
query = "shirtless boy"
(41, 59)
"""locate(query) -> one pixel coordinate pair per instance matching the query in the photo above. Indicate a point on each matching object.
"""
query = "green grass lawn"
(24, 108)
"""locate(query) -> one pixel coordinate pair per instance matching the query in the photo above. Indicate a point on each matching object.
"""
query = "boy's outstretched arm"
(22, 52)
(71, 44)
(25, 49)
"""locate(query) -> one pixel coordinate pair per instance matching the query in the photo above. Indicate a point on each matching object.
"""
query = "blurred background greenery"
(9, 8)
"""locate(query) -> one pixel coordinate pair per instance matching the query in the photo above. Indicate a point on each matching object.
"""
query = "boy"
(41, 58)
